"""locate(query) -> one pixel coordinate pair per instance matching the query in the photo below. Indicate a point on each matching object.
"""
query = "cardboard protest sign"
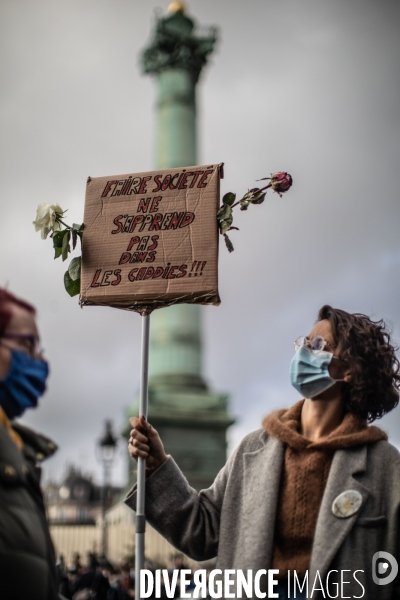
(151, 239)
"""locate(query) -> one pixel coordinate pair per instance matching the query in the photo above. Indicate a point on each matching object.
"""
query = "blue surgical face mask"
(23, 385)
(309, 372)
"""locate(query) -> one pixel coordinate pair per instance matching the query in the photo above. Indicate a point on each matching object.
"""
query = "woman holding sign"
(315, 494)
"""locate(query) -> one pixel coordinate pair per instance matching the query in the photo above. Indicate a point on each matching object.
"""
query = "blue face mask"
(24, 383)
(309, 372)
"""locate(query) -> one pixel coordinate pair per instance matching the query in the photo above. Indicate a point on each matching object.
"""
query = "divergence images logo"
(381, 561)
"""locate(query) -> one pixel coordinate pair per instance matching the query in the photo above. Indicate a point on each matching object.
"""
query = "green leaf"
(251, 194)
(255, 196)
(258, 197)
(225, 224)
(74, 239)
(77, 227)
(72, 287)
(74, 268)
(228, 243)
(58, 237)
(229, 198)
(224, 212)
(65, 244)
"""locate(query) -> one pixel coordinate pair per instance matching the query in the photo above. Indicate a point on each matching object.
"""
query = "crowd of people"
(98, 579)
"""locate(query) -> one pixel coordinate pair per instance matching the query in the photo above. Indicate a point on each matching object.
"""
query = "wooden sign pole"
(140, 520)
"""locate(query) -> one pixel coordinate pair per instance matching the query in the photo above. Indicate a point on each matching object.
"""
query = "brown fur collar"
(353, 431)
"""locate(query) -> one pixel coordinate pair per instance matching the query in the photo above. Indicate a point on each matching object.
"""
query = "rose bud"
(281, 182)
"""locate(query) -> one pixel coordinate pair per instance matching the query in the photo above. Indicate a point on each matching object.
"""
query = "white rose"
(46, 219)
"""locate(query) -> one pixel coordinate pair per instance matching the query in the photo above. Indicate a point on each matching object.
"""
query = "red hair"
(6, 299)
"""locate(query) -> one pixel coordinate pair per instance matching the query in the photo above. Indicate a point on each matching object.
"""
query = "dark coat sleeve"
(27, 562)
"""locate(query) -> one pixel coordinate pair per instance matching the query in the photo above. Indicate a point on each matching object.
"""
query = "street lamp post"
(107, 446)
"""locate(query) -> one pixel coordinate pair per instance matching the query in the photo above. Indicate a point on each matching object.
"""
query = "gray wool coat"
(234, 519)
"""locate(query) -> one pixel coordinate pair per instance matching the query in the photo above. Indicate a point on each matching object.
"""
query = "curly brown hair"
(374, 368)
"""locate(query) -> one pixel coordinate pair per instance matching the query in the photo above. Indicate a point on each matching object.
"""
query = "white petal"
(45, 232)
(57, 208)
(42, 210)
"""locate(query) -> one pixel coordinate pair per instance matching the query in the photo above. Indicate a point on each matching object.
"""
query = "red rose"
(281, 181)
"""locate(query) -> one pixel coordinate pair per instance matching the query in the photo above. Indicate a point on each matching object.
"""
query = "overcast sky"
(310, 87)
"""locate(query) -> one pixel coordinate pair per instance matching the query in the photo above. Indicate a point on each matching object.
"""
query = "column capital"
(176, 45)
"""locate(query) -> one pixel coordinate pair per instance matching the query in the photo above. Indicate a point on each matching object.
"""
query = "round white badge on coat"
(346, 504)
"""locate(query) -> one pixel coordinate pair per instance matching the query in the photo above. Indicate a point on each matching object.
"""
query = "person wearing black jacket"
(27, 559)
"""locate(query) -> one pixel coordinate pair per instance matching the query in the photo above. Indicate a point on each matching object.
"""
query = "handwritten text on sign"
(163, 220)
